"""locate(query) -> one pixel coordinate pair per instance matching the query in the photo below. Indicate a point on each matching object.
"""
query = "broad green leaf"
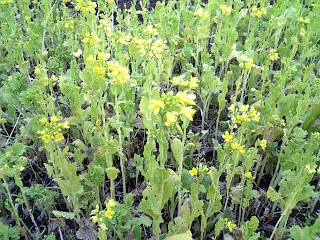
(185, 236)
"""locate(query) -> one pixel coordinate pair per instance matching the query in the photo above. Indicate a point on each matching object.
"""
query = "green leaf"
(112, 173)
(67, 215)
(185, 236)
(312, 116)
(177, 149)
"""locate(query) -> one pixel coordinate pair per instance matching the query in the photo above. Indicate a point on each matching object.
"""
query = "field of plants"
(188, 120)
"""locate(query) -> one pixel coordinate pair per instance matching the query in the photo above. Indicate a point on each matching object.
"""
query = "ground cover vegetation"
(191, 120)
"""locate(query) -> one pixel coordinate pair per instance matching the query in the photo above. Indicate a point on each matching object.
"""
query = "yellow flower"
(193, 171)
(54, 119)
(46, 138)
(242, 118)
(187, 112)
(185, 98)
(109, 213)
(171, 118)
(244, 108)
(200, 12)
(273, 55)
(318, 170)
(227, 137)
(236, 146)
(103, 56)
(248, 175)
(226, 10)
(43, 120)
(263, 144)
(65, 125)
(231, 108)
(309, 170)
(111, 203)
(230, 225)
(193, 83)
(283, 123)
(175, 81)
(156, 105)
(248, 63)
(100, 71)
(37, 70)
(59, 137)
(94, 219)
(304, 20)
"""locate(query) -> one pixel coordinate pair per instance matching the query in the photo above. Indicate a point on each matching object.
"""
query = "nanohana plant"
(159, 119)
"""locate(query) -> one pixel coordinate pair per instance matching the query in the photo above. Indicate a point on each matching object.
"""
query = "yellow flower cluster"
(86, 6)
(310, 170)
(4, 2)
(99, 70)
(124, 38)
(142, 45)
(243, 114)
(202, 13)
(69, 24)
(151, 30)
(225, 10)
(192, 83)
(240, 148)
(53, 129)
(107, 213)
(157, 49)
(256, 12)
(273, 55)
(46, 81)
(118, 74)
(246, 62)
(91, 38)
(304, 20)
(174, 106)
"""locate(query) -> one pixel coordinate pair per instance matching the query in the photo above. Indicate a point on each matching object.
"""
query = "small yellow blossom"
(59, 137)
(100, 71)
(229, 224)
(171, 118)
(244, 108)
(54, 119)
(200, 12)
(111, 203)
(227, 137)
(175, 81)
(318, 170)
(304, 20)
(225, 10)
(43, 120)
(309, 170)
(188, 112)
(273, 55)
(94, 219)
(46, 138)
(248, 175)
(231, 108)
(193, 171)
(193, 82)
(109, 213)
(263, 144)
(156, 105)
(236, 146)
(185, 98)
